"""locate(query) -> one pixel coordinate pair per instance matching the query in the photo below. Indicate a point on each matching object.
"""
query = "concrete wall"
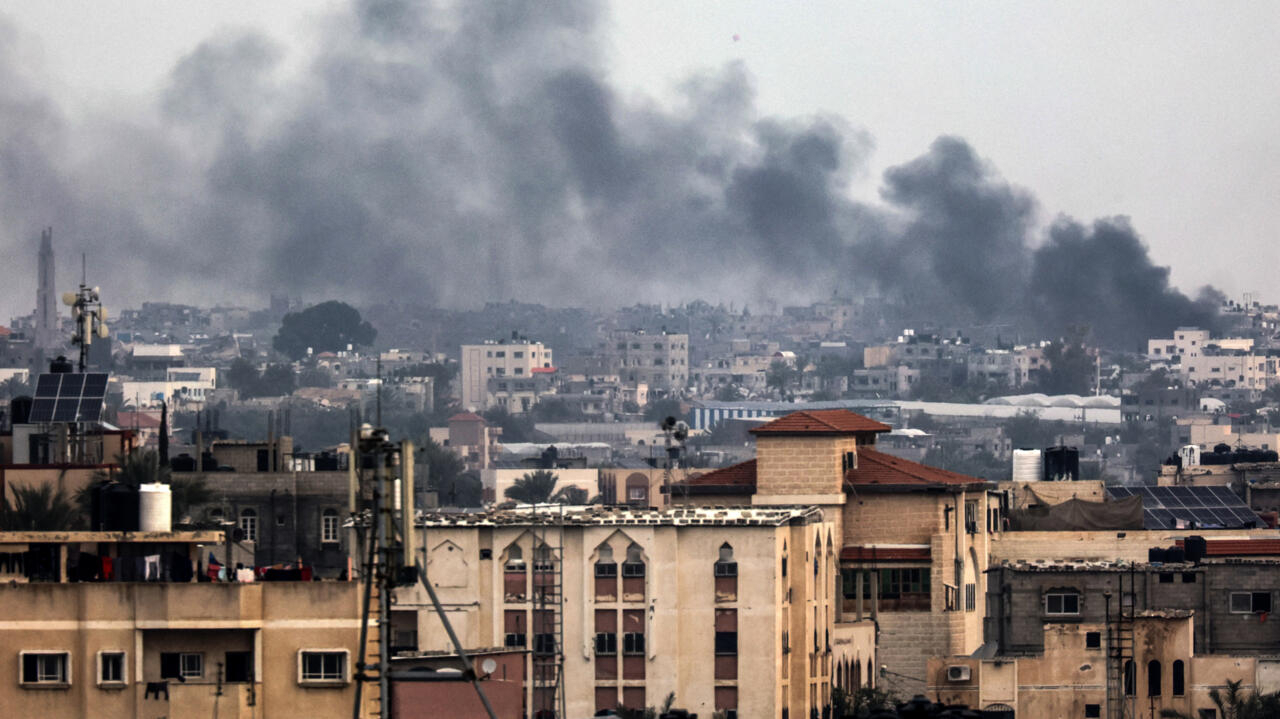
(276, 620)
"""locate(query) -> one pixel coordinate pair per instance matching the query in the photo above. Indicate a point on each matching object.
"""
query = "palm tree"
(571, 495)
(1237, 704)
(534, 487)
(141, 467)
(40, 509)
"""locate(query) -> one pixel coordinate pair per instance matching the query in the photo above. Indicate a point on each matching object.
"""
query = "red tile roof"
(821, 421)
(885, 554)
(877, 468)
(543, 370)
(466, 417)
(1239, 547)
(741, 476)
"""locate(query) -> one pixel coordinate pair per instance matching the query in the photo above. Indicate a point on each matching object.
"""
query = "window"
(633, 643)
(544, 644)
(1130, 678)
(970, 597)
(111, 668)
(1250, 602)
(1166, 577)
(49, 668)
(606, 569)
(606, 643)
(1153, 678)
(1062, 603)
(181, 665)
(1179, 678)
(1092, 710)
(238, 667)
(322, 666)
(329, 526)
(634, 566)
(514, 639)
(726, 642)
(1093, 640)
(1188, 577)
(249, 525)
(726, 569)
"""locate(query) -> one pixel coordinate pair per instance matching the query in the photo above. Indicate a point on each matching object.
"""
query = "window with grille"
(1250, 602)
(46, 668)
(606, 643)
(970, 597)
(323, 666)
(544, 644)
(633, 643)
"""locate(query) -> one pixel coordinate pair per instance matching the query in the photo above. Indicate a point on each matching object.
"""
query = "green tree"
(242, 376)
(315, 377)
(141, 467)
(1236, 703)
(534, 487)
(728, 393)
(659, 410)
(571, 495)
(443, 464)
(277, 380)
(326, 327)
(515, 428)
(464, 490)
(42, 508)
(780, 376)
(1071, 365)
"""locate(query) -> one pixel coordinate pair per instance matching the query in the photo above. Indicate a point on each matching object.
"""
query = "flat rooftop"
(595, 515)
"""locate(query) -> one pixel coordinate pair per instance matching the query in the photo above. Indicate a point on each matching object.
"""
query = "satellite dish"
(68, 298)
(489, 666)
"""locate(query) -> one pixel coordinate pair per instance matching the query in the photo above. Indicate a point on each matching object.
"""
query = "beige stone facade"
(651, 605)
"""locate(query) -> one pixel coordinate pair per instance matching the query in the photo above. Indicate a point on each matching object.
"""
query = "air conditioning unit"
(957, 673)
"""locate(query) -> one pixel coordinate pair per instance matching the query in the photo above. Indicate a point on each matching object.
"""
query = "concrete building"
(914, 540)
(1069, 677)
(80, 645)
(661, 360)
(730, 609)
(516, 360)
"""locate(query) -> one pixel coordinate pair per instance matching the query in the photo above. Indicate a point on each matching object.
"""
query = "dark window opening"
(1093, 640)
(606, 643)
(1179, 678)
(726, 643)
(1153, 678)
(1092, 710)
(239, 667)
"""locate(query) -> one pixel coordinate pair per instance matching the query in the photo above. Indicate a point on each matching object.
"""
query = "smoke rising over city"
(453, 153)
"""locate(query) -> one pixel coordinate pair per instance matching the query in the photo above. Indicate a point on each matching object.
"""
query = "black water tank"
(20, 409)
(1175, 555)
(1156, 554)
(61, 365)
(183, 463)
(1195, 548)
(326, 462)
(115, 508)
(1061, 463)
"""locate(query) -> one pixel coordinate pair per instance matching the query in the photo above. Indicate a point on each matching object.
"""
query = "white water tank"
(1190, 454)
(155, 508)
(1028, 465)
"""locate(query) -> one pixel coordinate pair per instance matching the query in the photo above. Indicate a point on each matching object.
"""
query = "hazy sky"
(1162, 111)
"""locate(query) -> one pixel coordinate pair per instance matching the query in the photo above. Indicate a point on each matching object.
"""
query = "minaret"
(46, 296)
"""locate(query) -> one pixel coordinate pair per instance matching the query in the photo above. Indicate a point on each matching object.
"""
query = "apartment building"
(91, 631)
(661, 360)
(914, 540)
(729, 608)
(503, 374)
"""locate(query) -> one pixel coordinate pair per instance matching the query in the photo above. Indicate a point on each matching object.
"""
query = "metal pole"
(384, 583)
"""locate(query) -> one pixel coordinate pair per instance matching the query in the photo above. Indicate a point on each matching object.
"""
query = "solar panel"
(66, 397)
(1164, 507)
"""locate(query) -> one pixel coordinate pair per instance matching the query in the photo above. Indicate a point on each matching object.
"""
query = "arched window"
(606, 575)
(216, 515)
(249, 524)
(726, 574)
(857, 673)
(1153, 678)
(515, 558)
(634, 566)
(329, 525)
(1130, 678)
(1179, 678)
(515, 580)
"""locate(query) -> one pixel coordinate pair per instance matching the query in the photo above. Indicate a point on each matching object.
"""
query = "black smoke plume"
(453, 153)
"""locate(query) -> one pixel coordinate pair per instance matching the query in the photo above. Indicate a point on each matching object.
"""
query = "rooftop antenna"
(89, 314)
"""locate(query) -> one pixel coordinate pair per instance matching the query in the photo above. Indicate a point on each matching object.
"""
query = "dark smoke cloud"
(462, 152)
(1102, 277)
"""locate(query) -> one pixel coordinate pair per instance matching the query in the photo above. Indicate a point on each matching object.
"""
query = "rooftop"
(876, 468)
(821, 421)
(597, 515)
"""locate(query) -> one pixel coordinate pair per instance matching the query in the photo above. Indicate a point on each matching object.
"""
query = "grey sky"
(1165, 112)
